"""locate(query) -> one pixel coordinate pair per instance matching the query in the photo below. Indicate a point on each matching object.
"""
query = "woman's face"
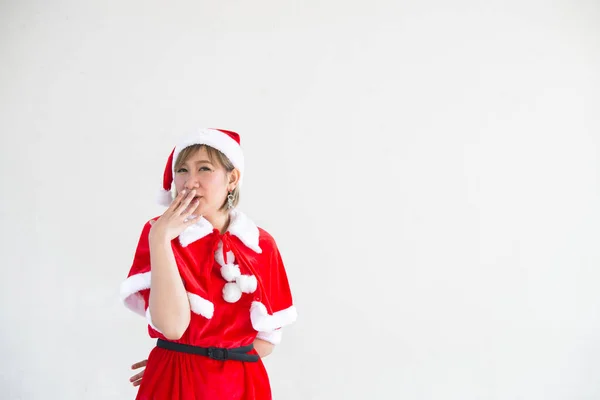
(210, 180)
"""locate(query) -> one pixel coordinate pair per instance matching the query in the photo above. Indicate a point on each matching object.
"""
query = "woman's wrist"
(157, 238)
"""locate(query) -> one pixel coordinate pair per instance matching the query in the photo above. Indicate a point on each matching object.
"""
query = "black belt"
(216, 353)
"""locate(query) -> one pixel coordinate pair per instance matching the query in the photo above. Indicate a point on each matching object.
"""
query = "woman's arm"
(169, 304)
(263, 348)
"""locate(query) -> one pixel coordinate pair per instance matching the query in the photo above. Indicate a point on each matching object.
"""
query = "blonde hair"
(215, 157)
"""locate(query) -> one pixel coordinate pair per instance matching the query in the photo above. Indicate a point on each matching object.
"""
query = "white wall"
(429, 169)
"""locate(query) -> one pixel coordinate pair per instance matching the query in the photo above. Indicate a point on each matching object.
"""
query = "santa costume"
(238, 291)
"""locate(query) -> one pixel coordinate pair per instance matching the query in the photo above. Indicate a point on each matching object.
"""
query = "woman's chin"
(201, 211)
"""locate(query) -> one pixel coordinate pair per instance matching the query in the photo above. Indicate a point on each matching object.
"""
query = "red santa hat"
(227, 142)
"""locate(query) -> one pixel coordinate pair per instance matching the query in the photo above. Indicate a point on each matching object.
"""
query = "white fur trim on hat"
(217, 140)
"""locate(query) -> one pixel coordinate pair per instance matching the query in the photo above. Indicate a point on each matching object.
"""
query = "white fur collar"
(240, 226)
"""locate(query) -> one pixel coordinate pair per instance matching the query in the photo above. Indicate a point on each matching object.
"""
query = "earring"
(230, 201)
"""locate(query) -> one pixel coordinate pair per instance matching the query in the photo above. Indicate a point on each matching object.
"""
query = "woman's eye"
(181, 170)
(204, 169)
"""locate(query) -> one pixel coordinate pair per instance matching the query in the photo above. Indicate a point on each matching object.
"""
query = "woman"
(211, 284)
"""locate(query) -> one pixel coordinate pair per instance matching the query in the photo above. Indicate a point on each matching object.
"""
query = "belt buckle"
(217, 353)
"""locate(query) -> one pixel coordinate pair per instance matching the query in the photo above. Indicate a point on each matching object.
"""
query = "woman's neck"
(219, 221)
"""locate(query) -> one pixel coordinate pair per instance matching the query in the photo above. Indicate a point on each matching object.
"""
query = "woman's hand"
(263, 348)
(176, 218)
(136, 379)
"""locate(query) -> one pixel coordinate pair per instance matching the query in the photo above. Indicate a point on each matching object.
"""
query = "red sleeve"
(135, 290)
(277, 287)
(275, 308)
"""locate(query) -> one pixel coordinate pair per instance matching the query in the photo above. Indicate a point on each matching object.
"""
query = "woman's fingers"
(191, 208)
(136, 377)
(190, 216)
(139, 364)
(191, 220)
(177, 200)
(185, 202)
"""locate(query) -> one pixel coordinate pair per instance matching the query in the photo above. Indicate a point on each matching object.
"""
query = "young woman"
(211, 284)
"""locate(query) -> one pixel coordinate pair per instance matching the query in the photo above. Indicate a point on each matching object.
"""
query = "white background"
(429, 170)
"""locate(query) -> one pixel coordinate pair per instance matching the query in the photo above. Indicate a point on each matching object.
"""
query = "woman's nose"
(191, 183)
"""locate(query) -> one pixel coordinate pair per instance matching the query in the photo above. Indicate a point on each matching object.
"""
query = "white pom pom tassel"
(219, 256)
(247, 283)
(231, 292)
(230, 272)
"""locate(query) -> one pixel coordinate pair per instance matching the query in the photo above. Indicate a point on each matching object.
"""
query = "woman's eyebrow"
(195, 162)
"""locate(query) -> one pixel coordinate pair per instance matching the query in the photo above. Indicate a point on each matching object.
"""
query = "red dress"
(238, 290)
